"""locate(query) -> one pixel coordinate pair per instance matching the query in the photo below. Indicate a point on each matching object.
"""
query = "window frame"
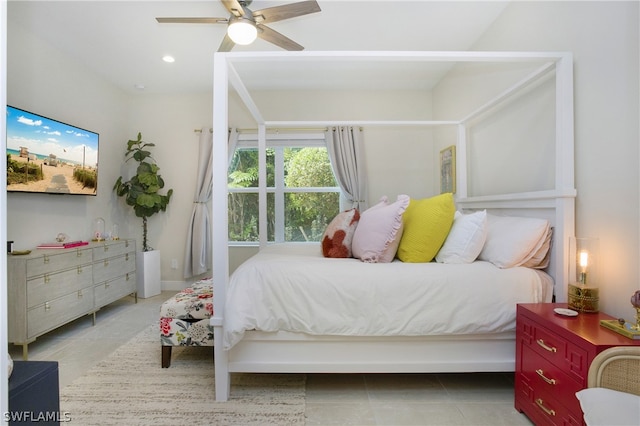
(279, 141)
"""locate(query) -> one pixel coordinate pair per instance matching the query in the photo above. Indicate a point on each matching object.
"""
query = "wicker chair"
(616, 368)
(612, 396)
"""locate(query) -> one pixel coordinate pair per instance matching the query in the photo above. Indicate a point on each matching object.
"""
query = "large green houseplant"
(142, 191)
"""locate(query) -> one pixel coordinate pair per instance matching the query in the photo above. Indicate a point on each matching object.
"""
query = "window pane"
(243, 217)
(308, 214)
(308, 167)
(243, 170)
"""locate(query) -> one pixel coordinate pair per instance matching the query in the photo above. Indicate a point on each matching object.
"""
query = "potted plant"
(142, 192)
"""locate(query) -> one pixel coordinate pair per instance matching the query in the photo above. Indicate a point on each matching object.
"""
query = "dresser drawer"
(52, 313)
(113, 267)
(546, 377)
(53, 285)
(557, 350)
(47, 261)
(112, 249)
(112, 290)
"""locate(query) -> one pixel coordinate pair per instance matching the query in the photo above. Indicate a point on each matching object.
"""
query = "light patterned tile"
(336, 388)
(424, 388)
(339, 413)
(400, 413)
(493, 414)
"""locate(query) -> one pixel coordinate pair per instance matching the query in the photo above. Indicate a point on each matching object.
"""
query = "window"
(302, 193)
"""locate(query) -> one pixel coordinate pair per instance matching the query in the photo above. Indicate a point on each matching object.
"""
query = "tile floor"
(332, 399)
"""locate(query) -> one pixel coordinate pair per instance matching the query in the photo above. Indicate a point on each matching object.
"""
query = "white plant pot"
(148, 273)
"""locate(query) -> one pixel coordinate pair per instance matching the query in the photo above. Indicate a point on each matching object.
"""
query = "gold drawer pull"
(545, 346)
(79, 294)
(46, 259)
(78, 253)
(106, 247)
(47, 279)
(540, 403)
(79, 270)
(47, 306)
(107, 285)
(106, 263)
(545, 378)
(126, 257)
(127, 276)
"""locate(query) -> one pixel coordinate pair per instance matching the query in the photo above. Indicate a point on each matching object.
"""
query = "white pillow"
(466, 238)
(607, 407)
(512, 241)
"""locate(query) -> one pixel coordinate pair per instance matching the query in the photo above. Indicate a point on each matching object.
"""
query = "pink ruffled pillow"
(336, 240)
(378, 233)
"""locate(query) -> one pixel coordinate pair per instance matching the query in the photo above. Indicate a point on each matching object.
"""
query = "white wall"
(604, 39)
(42, 80)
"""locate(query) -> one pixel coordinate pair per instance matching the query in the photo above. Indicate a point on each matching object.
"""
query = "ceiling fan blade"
(227, 44)
(278, 39)
(278, 13)
(234, 7)
(192, 20)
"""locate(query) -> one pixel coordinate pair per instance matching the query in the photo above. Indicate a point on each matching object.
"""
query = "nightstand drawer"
(549, 378)
(545, 408)
(557, 350)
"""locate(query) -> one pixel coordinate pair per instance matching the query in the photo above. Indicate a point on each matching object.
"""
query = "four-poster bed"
(286, 351)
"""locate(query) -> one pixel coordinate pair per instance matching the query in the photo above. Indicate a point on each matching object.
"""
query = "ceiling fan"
(244, 25)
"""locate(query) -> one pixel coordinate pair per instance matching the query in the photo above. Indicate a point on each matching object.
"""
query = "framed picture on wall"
(448, 170)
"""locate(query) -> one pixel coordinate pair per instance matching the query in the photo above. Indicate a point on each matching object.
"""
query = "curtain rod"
(276, 129)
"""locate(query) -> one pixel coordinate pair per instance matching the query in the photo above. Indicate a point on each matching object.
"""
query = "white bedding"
(292, 287)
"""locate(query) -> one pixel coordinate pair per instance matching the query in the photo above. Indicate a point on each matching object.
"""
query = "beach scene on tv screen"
(45, 155)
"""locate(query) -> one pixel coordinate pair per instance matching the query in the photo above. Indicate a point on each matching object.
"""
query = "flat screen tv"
(48, 156)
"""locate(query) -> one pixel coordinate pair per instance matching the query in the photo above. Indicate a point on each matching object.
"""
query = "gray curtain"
(347, 159)
(197, 257)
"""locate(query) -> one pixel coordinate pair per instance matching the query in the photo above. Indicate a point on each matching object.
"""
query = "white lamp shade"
(242, 31)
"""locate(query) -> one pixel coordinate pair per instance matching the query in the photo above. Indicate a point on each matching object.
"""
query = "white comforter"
(292, 287)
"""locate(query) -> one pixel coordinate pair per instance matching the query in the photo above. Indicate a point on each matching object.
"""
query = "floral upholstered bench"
(184, 319)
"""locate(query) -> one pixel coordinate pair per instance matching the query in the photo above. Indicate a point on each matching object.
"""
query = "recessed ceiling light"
(168, 58)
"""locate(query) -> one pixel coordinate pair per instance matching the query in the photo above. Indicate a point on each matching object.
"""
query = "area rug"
(130, 388)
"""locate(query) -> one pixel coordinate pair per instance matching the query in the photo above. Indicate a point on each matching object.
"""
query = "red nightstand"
(553, 354)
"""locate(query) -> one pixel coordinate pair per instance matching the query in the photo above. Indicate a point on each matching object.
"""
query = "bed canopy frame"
(286, 352)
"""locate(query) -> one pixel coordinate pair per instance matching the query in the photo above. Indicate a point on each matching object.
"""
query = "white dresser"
(50, 287)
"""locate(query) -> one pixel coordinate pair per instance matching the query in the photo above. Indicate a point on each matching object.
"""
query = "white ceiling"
(121, 40)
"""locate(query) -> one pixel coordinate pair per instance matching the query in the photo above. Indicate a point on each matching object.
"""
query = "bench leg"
(166, 356)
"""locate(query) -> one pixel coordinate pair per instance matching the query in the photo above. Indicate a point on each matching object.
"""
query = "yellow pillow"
(427, 223)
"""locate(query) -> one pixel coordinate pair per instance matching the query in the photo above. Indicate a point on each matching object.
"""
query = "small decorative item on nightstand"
(627, 329)
(583, 286)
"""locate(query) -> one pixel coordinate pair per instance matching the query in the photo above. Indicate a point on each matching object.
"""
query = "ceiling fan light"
(242, 31)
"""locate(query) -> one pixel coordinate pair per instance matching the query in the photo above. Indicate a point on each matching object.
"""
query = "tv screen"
(48, 156)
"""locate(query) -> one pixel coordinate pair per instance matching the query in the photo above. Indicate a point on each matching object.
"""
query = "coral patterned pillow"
(336, 240)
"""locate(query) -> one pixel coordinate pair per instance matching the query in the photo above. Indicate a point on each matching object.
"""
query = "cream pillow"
(379, 230)
(466, 238)
(512, 241)
(607, 407)
(337, 238)
(426, 225)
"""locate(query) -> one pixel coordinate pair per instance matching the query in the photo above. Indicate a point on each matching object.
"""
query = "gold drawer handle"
(79, 294)
(540, 403)
(126, 244)
(106, 263)
(47, 279)
(126, 257)
(47, 306)
(545, 346)
(106, 247)
(107, 285)
(79, 270)
(78, 253)
(46, 259)
(545, 378)
(127, 276)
